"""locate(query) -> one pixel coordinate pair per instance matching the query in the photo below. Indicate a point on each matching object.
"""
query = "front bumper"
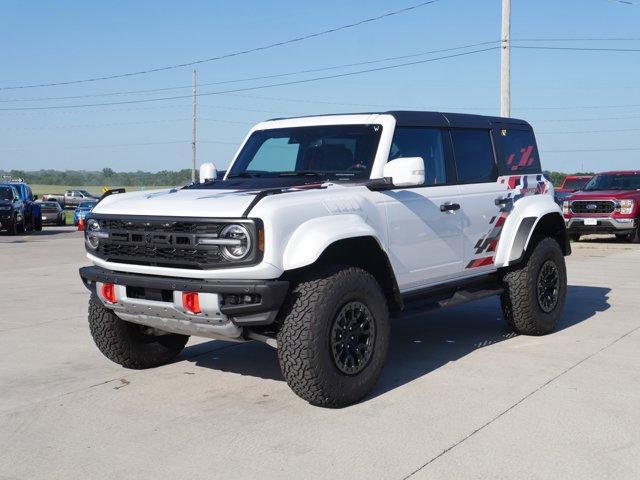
(157, 302)
(603, 225)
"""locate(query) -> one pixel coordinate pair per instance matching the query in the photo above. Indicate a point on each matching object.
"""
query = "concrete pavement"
(461, 396)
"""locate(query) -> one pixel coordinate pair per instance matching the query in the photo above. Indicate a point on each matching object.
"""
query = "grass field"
(41, 189)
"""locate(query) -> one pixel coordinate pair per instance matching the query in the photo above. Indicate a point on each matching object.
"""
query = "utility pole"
(505, 59)
(193, 138)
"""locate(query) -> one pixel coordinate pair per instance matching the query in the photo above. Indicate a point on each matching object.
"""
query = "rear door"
(477, 177)
(493, 166)
(425, 236)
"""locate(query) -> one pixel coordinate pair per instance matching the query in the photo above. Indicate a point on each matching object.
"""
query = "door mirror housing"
(208, 172)
(405, 172)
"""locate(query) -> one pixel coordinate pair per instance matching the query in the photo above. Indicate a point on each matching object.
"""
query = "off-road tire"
(574, 237)
(20, 226)
(125, 343)
(37, 224)
(520, 305)
(304, 339)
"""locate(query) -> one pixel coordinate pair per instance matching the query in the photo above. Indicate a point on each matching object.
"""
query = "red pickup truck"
(609, 203)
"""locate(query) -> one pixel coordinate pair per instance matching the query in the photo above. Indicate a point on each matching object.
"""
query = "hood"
(606, 194)
(219, 200)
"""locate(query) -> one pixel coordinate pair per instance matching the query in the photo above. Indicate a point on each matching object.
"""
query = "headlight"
(92, 234)
(237, 242)
(5, 209)
(626, 207)
(565, 207)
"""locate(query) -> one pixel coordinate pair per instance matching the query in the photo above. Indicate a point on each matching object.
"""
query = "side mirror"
(208, 172)
(405, 172)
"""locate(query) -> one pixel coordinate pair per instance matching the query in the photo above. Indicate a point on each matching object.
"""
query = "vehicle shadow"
(420, 343)
(45, 232)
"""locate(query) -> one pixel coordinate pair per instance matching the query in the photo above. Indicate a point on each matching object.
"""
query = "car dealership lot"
(461, 397)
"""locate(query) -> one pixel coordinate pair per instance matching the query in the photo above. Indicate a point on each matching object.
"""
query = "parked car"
(571, 184)
(32, 214)
(11, 210)
(320, 228)
(70, 198)
(609, 203)
(82, 211)
(53, 213)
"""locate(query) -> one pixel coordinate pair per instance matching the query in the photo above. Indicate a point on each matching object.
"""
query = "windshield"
(85, 193)
(87, 205)
(6, 193)
(342, 152)
(50, 204)
(614, 182)
(575, 183)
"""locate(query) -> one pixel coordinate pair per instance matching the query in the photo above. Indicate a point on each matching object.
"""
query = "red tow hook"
(191, 302)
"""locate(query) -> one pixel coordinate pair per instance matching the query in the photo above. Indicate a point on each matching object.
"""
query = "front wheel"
(129, 344)
(334, 337)
(535, 291)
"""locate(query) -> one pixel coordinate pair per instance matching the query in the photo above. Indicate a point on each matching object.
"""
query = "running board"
(450, 295)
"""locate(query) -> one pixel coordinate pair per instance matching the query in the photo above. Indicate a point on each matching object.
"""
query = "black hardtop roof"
(415, 118)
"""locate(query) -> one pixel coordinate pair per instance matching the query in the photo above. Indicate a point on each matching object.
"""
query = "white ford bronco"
(321, 229)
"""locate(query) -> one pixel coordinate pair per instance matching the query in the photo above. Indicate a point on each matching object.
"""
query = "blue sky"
(46, 42)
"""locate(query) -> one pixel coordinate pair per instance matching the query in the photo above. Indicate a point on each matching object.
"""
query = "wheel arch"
(550, 224)
(364, 252)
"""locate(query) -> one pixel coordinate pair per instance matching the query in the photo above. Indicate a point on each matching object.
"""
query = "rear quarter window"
(517, 152)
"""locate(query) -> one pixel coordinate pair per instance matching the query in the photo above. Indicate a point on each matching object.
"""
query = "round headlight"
(92, 239)
(239, 242)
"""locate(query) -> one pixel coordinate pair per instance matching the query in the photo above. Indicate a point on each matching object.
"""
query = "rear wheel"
(535, 291)
(38, 224)
(129, 344)
(334, 337)
(574, 237)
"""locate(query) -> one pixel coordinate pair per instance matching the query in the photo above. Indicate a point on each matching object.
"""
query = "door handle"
(449, 207)
(503, 202)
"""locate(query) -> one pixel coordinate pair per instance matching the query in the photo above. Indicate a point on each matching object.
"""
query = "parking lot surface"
(461, 396)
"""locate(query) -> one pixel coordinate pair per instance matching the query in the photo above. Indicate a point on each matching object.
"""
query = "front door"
(424, 225)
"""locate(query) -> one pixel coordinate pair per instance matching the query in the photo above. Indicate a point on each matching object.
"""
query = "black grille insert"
(165, 243)
(593, 206)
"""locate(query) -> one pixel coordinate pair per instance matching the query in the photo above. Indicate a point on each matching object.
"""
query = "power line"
(590, 131)
(585, 119)
(258, 87)
(261, 77)
(230, 55)
(125, 124)
(584, 49)
(623, 149)
(119, 145)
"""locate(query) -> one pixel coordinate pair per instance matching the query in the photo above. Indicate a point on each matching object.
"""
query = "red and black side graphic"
(488, 245)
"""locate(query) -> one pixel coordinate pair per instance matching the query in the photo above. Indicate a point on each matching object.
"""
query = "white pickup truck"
(321, 229)
(70, 198)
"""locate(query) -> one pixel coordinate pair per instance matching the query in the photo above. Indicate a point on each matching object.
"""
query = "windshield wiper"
(303, 174)
(245, 175)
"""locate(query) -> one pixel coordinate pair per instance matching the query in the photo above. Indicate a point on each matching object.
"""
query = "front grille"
(593, 206)
(163, 243)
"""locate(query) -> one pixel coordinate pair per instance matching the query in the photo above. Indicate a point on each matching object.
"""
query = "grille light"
(240, 244)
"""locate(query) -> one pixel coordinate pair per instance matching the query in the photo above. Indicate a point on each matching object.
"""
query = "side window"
(275, 154)
(473, 152)
(422, 142)
(518, 152)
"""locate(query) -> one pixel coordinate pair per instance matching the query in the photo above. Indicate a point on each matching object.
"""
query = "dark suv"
(11, 210)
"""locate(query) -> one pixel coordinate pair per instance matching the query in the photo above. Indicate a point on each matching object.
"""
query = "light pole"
(505, 60)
